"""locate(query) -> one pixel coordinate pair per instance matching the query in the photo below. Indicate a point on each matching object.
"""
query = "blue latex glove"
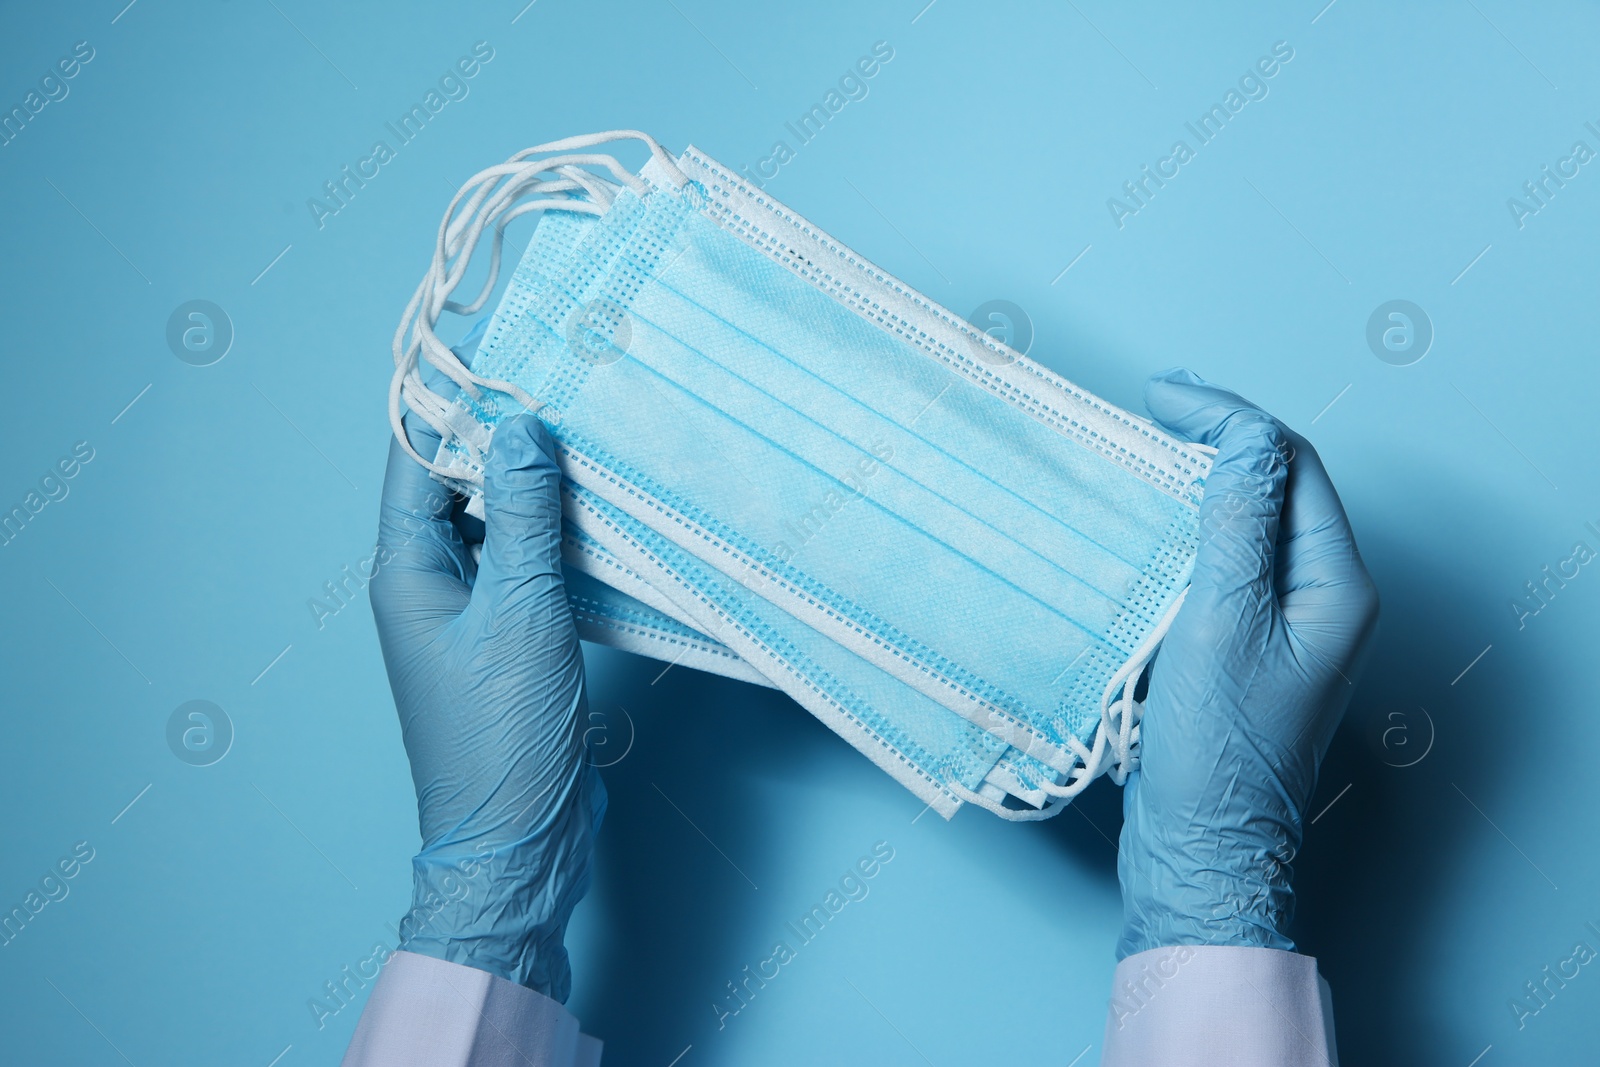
(487, 677)
(1250, 684)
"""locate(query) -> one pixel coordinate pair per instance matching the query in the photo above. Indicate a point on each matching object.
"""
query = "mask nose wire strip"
(459, 234)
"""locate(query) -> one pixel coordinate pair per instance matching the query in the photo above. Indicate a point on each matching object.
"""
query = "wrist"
(1230, 888)
(499, 900)
(1220, 910)
(486, 911)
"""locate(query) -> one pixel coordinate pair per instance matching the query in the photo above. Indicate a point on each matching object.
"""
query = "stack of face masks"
(784, 465)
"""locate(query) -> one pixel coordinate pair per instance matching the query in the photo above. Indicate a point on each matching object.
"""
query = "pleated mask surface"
(956, 559)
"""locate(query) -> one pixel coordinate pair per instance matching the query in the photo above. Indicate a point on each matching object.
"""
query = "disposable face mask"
(957, 560)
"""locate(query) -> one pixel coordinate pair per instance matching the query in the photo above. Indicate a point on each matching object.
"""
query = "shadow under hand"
(1380, 863)
(685, 843)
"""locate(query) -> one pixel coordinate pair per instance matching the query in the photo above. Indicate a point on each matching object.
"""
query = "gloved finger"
(434, 499)
(413, 489)
(467, 349)
(1243, 502)
(1316, 545)
(520, 568)
(423, 570)
(407, 484)
(1328, 598)
(470, 526)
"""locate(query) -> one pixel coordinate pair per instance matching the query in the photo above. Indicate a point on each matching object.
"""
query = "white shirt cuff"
(1219, 1006)
(425, 1012)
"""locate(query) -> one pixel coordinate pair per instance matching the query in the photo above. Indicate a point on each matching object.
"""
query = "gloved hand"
(487, 677)
(1250, 683)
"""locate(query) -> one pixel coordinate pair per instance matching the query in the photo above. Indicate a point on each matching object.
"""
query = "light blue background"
(1378, 168)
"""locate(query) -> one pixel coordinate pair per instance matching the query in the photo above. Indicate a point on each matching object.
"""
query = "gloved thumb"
(1243, 502)
(521, 558)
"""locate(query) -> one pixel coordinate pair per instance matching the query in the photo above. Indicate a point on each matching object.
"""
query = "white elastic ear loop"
(1126, 712)
(567, 166)
(1063, 757)
(1120, 715)
(1086, 771)
(588, 140)
(437, 299)
(506, 217)
(1117, 735)
(458, 237)
(1049, 811)
(484, 182)
(459, 233)
(500, 224)
(600, 191)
